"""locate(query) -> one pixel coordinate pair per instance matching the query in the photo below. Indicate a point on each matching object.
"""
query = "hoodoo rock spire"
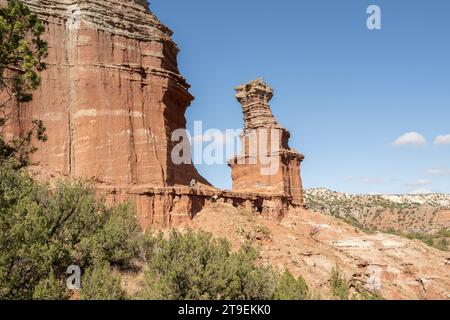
(266, 163)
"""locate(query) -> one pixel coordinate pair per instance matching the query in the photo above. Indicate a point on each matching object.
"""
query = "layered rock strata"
(266, 164)
(111, 97)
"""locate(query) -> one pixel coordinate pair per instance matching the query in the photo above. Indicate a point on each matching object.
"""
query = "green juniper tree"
(340, 288)
(43, 231)
(290, 288)
(21, 52)
(195, 266)
(99, 283)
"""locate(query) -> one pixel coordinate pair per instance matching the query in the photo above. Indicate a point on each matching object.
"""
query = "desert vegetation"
(44, 230)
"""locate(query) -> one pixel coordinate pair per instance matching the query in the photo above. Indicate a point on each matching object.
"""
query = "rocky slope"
(311, 244)
(428, 213)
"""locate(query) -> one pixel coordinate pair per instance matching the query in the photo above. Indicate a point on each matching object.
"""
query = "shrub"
(262, 232)
(42, 232)
(290, 288)
(99, 283)
(49, 288)
(194, 266)
(442, 244)
(340, 288)
(259, 232)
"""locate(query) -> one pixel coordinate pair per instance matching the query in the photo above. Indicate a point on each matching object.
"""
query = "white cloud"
(442, 140)
(438, 172)
(411, 139)
(418, 183)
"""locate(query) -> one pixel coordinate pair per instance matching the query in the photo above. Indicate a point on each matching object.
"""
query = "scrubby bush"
(99, 283)
(340, 288)
(196, 266)
(49, 288)
(45, 230)
(290, 288)
(442, 244)
(42, 232)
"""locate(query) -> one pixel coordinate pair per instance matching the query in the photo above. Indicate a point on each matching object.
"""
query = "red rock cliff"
(111, 98)
(111, 95)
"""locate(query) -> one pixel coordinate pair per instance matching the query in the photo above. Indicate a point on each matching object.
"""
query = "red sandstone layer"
(111, 95)
(111, 98)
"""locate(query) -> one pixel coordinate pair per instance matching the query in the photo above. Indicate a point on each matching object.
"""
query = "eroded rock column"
(266, 163)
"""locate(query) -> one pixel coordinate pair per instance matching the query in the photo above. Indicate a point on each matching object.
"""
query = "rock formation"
(111, 98)
(266, 162)
(111, 95)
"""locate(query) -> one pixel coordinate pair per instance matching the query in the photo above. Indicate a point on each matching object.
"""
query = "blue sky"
(346, 93)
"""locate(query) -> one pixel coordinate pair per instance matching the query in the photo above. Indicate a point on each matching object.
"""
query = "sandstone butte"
(111, 97)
